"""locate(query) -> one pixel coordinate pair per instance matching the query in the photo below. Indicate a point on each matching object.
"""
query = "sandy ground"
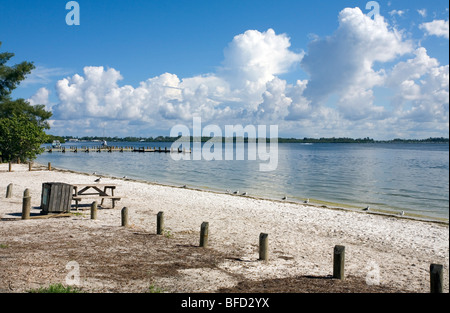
(382, 253)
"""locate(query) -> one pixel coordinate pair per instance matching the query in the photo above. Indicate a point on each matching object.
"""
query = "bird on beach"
(367, 208)
(284, 198)
(402, 213)
(125, 177)
(306, 201)
(244, 194)
(236, 192)
(98, 180)
(184, 186)
(227, 191)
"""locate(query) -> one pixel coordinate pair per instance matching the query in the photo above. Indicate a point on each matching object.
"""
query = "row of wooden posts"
(436, 270)
(30, 166)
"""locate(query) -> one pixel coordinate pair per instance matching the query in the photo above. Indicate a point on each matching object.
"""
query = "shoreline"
(313, 202)
(302, 238)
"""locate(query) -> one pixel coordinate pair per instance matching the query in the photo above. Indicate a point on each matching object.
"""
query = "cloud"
(252, 60)
(436, 28)
(422, 89)
(256, 58)
(422, 12)
(397, 12)
(43, 75)
(41, 97)
(339, 98)
(343, 63)
(275, 103)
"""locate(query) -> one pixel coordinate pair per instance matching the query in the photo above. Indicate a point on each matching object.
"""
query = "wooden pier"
(110, 149)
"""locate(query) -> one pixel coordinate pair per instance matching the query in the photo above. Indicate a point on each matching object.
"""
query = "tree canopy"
(22, 125)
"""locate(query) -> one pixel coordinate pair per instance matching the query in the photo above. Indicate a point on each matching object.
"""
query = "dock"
(109, 149)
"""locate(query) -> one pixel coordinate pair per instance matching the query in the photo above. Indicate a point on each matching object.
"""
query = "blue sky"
(319, 68)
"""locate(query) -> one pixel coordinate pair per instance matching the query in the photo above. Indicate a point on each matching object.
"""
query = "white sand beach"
(386, 251)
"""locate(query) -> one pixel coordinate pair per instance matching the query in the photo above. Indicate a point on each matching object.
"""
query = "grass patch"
(77, 213)
(168, 234)
(155, 289)
(56, 288)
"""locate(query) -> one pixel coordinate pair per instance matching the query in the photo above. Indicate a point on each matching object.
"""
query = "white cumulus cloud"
(41, 97)
(343, 63)
(437, 28)
(339, 98)
(252, 60)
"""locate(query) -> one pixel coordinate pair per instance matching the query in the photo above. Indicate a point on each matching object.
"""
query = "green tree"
(20, 138)
(22, 126)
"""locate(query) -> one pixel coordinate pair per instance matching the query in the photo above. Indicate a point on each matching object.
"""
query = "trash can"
(56, 198)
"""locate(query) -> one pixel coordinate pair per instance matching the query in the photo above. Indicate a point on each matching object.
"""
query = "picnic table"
(94, 191)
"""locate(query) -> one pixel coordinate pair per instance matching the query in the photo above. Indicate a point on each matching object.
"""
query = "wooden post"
(9, 167)
(49, 166)
(30, 165)
(204, 231)
(436, 278)
(9, 190)
(338, 262)
(125, 217)
(160, 223)
(264, 247)
(26, 205)
(94, 210)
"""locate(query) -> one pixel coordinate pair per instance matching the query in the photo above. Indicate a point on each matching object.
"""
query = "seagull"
(284, 198)
(367, 208)
(98, 180)
(402, 213)
(125, 177)
(227, 191)
(236, 192)
(184, 186)
(244, 194)
(307, 201)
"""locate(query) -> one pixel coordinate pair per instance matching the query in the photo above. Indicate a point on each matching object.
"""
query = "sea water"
(390, 177)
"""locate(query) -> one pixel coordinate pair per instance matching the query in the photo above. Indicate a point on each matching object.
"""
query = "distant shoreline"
(63, 139)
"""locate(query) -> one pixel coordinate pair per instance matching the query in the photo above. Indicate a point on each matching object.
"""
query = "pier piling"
(264, 247)
(26, 205)
(338, 262)
(204, 232)
(436, 278)
(94, 210)
(160, 223)
(124, 217)
(9, 190)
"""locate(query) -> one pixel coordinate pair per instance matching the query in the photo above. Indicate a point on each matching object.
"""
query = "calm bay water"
(393, 177)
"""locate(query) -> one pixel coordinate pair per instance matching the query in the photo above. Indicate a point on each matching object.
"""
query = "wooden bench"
(80, 198)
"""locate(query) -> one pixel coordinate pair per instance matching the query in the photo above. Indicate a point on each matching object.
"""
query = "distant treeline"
(64, 139)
